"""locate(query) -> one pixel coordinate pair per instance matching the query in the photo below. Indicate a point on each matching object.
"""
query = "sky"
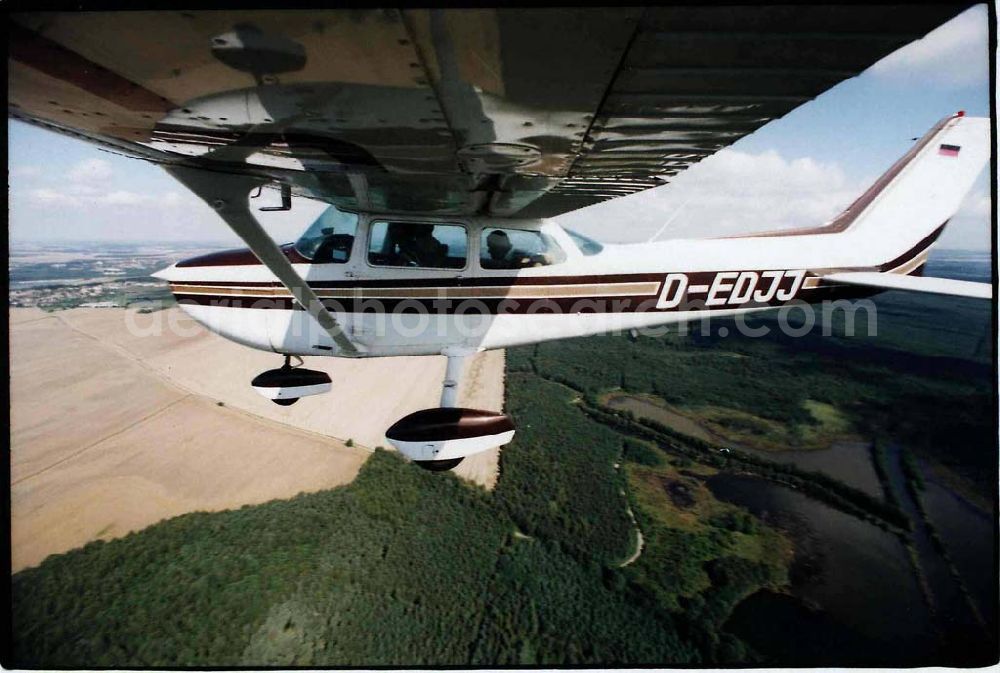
(800, 170)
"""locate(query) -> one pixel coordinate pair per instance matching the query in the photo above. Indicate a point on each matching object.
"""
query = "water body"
(847, 461)
(959, 630)
(854, 598)
(645, 408)
(973, 265)
(970, 535)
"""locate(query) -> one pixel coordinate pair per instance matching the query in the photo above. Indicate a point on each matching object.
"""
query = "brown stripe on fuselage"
(575, 290)
(271, 290)
(361, 302)
(510, 306)
(239, 257)
(483, 281)
(922, 245)
(908, 268)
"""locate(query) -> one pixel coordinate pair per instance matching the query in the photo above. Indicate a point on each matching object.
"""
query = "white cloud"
(122, 198)
(173, 200)
(977, 205)
(731, 192)
(44, 195)
(970, 228)
(93, 213)
(24, 172)
(953, 55)
(83, 189)
(91, 170)
(158, 200)
(85, 196)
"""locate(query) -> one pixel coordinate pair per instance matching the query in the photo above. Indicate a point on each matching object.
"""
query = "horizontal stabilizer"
(893, 281)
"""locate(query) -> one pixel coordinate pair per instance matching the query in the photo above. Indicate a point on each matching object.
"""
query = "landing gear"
(286, 385)
(438, 439)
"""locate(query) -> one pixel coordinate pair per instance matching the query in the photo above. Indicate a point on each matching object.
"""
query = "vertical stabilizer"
(906, 209)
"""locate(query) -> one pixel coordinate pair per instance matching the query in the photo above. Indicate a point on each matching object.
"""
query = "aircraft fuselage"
(389, 310)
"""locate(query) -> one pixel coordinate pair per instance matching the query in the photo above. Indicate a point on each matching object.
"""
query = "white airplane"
(448, 142)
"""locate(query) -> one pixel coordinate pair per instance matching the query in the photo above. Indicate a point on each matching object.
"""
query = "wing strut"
(227, 194)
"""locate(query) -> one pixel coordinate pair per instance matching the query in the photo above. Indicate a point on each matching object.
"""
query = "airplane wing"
(894, 281)
(501, 112)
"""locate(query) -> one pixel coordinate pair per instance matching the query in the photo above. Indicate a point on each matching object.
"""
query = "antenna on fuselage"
(670, 221)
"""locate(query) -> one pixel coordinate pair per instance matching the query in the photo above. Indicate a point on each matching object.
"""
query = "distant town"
(55, 276)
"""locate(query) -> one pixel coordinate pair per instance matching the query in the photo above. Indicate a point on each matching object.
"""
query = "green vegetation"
(686, 530)
(546, 608)
(880, 461)
(642, 453)
(914, 479)
(557, 480)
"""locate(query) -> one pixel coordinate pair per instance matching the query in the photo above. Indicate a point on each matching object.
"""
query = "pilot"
(418, 247)
(502, 254)
(333, 248)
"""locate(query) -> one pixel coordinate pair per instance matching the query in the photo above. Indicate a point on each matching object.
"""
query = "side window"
(418, 244)
(329, 239)
(518, 249)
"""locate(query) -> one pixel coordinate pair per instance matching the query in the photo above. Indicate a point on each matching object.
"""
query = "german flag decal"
(949, 150)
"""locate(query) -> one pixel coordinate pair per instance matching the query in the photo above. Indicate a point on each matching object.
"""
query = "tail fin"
(899, 217)
(902, 214)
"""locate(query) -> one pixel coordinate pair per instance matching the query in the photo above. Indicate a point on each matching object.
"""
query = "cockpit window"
(588, 246)
(418, 244)
(517, 249)
(329, 239)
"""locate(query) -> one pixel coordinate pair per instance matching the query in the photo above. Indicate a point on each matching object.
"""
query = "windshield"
(588, 246)
(329, 238)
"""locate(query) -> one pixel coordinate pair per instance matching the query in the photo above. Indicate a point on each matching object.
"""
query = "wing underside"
(502, 112)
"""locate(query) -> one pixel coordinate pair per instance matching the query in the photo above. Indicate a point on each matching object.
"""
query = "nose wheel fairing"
(284, 386)
(439, 465)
